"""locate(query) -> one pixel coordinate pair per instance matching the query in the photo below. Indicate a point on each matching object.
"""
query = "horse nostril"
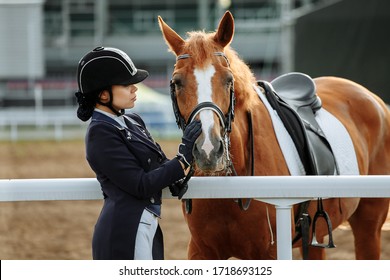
(220, 151)
(195, 151)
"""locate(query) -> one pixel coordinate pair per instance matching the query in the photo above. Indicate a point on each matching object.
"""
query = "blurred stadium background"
(42, 41)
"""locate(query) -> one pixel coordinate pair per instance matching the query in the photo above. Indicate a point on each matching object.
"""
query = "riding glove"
(179, 188)
(191, 133)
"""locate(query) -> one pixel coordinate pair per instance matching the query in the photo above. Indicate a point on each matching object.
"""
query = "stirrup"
(322, 214)
(244, 206)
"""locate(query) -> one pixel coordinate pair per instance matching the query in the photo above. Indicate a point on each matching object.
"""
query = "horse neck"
(240, 143)
(244, 81)
(267, 155)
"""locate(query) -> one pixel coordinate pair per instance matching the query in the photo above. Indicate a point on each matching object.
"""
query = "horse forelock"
(201, 46)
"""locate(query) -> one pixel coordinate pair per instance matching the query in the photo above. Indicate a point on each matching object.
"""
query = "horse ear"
(173, 40)
(225, 31)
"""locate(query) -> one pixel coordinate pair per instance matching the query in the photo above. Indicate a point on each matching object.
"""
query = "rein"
(226, 122)
(252, 162)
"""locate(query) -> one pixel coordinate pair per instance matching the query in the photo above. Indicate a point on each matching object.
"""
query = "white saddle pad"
(337, 135)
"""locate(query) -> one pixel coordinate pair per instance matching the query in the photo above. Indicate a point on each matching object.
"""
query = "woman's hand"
(191, 133)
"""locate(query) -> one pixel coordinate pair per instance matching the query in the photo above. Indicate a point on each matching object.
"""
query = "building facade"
(70, 28)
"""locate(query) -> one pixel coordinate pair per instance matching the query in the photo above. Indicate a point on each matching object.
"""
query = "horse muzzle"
(209, 155)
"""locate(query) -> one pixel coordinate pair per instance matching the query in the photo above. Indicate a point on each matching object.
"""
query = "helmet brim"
(137, 78)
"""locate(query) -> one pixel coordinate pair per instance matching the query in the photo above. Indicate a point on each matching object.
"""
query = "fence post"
(283, 208)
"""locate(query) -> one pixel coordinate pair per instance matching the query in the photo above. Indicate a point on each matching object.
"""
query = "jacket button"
(160, 159)
(149, 161)
(152, 200)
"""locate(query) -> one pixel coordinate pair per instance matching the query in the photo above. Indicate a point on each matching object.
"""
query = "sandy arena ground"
(63, 229)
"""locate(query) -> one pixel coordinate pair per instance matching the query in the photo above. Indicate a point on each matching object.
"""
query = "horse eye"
(177, 83)
(229, 81)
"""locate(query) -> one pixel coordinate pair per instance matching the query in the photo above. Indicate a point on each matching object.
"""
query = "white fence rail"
(28, 123)
(281, 191)
(61, 123)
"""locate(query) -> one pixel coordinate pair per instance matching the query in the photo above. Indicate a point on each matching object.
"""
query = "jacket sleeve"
(112, 160)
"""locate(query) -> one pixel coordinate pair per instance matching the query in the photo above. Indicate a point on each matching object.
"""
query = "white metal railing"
(62, 123)
(281, 191)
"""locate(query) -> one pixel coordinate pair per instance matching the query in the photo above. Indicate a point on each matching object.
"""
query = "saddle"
(294, 97)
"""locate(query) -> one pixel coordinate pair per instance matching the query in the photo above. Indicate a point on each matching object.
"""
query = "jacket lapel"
(141, 132)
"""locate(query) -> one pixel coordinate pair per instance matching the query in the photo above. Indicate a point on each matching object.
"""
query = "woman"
(130, 166)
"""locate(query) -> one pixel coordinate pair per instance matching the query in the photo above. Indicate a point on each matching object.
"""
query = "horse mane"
(201, 46)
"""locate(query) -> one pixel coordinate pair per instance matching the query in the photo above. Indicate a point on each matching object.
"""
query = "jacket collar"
(97, 116)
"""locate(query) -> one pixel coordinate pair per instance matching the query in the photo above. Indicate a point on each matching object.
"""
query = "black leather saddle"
(294, 97)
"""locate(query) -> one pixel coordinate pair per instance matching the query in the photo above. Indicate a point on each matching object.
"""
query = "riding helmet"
(103, 67)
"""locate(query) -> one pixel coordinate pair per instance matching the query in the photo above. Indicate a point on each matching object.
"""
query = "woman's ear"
(104, 96)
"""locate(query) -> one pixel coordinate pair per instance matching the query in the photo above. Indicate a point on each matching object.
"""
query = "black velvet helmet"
(103, 67)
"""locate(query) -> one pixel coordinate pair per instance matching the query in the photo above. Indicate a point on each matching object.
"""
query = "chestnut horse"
(208, 71)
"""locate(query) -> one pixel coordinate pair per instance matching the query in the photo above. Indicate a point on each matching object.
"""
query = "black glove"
(191, 133)
(179, 188)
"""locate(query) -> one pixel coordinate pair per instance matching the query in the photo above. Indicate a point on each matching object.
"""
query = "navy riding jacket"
(132, 170)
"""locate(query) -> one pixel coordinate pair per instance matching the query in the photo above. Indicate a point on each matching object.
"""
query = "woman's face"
(124, 96)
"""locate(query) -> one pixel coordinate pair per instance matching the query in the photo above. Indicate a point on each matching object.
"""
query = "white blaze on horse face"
(203, 78)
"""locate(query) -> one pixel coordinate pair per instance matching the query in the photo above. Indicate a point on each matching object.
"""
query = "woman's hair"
(87, 104)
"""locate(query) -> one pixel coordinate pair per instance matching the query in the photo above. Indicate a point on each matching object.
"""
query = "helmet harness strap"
(109, 104)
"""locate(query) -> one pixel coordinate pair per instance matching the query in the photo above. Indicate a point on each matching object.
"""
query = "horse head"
(202, 87)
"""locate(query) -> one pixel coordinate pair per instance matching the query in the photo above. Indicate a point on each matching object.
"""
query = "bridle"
(225, 120)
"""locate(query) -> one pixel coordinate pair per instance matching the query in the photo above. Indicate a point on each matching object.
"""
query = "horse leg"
(196, 252)
(366, 224)
(206, 224)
